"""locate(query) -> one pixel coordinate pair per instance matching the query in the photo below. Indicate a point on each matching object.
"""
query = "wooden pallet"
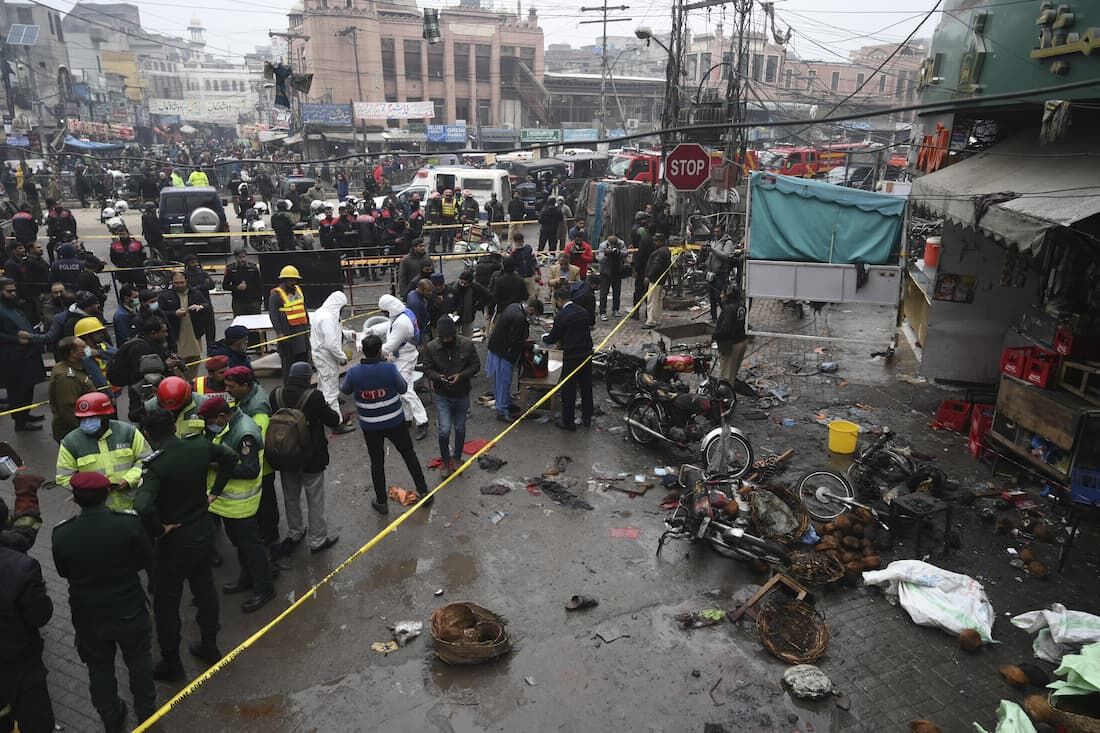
(1081, 378)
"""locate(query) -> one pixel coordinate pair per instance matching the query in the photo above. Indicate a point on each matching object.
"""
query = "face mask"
(213, 429)
(88, 352)
(154, 306)
(90, 425)
(135, 302)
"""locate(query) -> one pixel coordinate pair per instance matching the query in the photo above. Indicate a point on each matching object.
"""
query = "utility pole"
(605, 71)
(353, 32)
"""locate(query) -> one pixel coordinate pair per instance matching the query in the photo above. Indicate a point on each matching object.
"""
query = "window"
(60, 32)
(462, 61)
(757, 66)
(771, 69)
(527, 55)
(462, 109)
(811, 77)
(389, 59)
(440, 109)
(435, 61)
(835, 83)
(25, 15)
(882, 83)
(225, 85)
(483, 109)
(206, 84)
(693, 68)
(859, 80)
(482, 54)
(704, 63)
(49, 16)
(727, 62)
(788, 78)
(412, 60)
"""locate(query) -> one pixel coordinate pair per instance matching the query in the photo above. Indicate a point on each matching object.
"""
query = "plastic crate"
(952, 415)
(1042, 368)
(981, 422)
(1014, 360)
(1063, 341)
(1085, 486)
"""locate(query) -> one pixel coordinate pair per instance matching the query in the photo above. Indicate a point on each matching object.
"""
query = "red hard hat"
(173, 393)
(94, 404)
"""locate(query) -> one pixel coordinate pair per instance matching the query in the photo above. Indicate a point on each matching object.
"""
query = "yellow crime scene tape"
(311, 232)
(222, 663)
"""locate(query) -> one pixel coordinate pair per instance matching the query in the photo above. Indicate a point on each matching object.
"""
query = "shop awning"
(1045, 186)
(294, 139)
(341, 137)
(90, 145)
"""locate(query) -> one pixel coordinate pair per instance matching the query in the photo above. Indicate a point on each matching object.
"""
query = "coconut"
(864, 515)
(1039, 709)
(857, 529)
(1043, 533)
(1014, 676)
(872, 562)
(842, 523)
(970, 640)
(923, 726)
(1037, 569)
(1026, 555)
(847, 557)
(852, 543)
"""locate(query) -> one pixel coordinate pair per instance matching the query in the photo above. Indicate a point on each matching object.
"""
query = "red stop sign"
(687, 167)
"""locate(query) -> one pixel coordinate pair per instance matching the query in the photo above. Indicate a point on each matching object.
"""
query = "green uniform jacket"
(187, 423)
(117, 454)
(100, 552)
(67, 383)
(256, 406)
(241, 497)
(173, 485)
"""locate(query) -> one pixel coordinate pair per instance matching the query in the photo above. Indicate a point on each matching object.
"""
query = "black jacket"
(550, 217)
(202, 322)
(572, 331)
(466, 301)
(509, 288)
(641, 256)
(250, 276)
(318, 415)
(516, 209)
(657, 263)
(510, 332)
(459, 360)
(24, 605)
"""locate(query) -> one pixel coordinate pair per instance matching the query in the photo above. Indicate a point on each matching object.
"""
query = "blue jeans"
(499, 371)
(452, 413)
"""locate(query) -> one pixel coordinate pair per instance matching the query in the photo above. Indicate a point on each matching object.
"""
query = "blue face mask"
(90, 425)
(213, 429)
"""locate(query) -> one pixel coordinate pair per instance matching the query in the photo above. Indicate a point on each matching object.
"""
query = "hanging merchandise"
(281, 73)
(431, 26)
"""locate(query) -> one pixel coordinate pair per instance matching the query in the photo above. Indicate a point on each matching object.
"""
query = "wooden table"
(532, 388)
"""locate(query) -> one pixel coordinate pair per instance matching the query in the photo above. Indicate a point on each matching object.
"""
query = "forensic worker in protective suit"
(400, 342)
(326, 343)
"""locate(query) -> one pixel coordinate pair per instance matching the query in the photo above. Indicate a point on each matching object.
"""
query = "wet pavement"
(316, 671)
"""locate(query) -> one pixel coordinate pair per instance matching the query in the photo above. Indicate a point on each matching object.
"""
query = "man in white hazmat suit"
(400, 339)
(326, 341)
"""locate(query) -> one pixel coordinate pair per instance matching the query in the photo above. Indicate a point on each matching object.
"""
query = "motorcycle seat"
(693, 404)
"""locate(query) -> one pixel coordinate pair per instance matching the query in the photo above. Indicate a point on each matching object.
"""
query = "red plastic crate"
(1042, 368)
(981, 422)
(952, 415)
(1063, 341)
(1014, 360)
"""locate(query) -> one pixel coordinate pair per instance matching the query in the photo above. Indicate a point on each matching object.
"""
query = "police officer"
(252, 400)
(110, 447)
(100, 553)
(282, 223)
(238, 503)
(175, 395)
(173, 504)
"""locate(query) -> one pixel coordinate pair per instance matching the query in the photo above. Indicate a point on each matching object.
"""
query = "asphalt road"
(316, 669)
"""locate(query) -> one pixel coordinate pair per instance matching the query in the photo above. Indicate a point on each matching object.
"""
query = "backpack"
(121, 367)
(287, 443)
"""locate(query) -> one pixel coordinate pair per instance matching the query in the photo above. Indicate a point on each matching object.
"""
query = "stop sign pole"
(687, 167)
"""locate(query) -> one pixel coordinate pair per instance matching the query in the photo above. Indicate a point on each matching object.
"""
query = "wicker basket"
(466, 633)
(793, 630)
(789, 498)
(1074, 722)
(815, 568)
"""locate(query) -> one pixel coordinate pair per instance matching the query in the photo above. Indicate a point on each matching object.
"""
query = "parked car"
(196, 210)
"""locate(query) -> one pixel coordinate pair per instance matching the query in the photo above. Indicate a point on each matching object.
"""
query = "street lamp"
(645, 33)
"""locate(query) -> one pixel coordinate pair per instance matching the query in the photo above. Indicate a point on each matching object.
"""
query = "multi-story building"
(829, 82)
(487, 70)
(36, 97)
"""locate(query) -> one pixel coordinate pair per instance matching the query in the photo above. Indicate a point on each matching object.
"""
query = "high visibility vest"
(293, 307)
(117, 454)
(241, 497)
(449, 208)
(257, 407)
(177, 180)
(205, 387)
(198, 178)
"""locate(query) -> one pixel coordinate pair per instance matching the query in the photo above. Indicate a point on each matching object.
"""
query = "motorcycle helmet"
(282, 205)
(173, 393)
(351, 200)
(107, 213)
(316, 206)
(260, 208)
(121, 207)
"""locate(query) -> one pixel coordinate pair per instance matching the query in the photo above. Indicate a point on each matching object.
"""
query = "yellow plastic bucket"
(843, 436)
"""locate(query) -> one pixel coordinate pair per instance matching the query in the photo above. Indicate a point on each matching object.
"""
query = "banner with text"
(446, 133)
(580, 135)
(225, 109)
(539, 135)
(331, 115)
(394, 110)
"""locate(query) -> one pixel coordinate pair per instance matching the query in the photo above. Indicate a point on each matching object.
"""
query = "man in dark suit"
(572, 332)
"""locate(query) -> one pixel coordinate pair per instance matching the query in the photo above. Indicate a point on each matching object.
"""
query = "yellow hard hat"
(87, 325)
(290, 272)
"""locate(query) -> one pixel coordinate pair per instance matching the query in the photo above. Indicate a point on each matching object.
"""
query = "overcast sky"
(828, 33)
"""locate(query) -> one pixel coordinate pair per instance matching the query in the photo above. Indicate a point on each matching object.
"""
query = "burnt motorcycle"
(709, 511)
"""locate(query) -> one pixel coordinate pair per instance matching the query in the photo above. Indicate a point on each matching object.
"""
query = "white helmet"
(288, 204)
(315, 207)
(121, 207)
(351, 200)
(107, 213)
(260, 207)
(115, 225)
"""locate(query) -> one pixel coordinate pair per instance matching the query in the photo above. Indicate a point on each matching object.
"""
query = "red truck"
(642, 165)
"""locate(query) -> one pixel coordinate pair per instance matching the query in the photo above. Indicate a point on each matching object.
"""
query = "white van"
(481, 181)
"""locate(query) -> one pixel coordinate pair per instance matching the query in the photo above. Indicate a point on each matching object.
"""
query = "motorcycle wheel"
(739, 455)
(160, 278)
(647, 413)
(834, 483)
(880, 471)
(620, 385)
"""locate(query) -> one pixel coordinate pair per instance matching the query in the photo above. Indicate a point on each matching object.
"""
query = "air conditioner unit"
(632, 123)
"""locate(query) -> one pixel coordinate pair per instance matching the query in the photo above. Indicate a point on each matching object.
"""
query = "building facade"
(36, 96)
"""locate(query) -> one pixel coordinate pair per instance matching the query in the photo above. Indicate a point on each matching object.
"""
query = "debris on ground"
(384, 647)
(496, 489)
(466, 633)
(1060, 631)
(530, 680)
(700, 619)
(404, 497)
(1011, 718)
(936, 597)
(490, 463)
(559, 494)
(608, 633)
(406, 631)
(970, 640)
(1013, 675)
(625, 533)
(807, 682)
(792, 630)
(497, 516)
(577, 603)
(471, 447)
(557, 466)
